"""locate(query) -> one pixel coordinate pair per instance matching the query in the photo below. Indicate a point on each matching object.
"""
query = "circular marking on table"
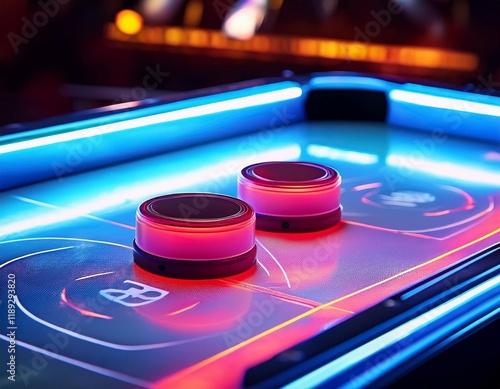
(94, 286)
(426, 208)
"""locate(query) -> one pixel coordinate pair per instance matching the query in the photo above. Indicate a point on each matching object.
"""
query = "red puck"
(292, 196)
(195, 236)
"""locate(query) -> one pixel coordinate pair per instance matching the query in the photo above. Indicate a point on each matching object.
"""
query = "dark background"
(68, 64)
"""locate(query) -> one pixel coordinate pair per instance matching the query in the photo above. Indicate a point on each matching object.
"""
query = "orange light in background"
(128, 21)
(197, 38)
(417, 57)
(308, 47)
(466, 60)
(420, 57)
(218, 41)
(174, 36)
(328, 49)
(193, 13)
(275, 4)
(357, 51)
(261, 43)
(153, 35)
(377, 53)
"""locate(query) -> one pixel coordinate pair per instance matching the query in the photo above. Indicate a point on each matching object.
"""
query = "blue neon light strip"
(449, 103)
(355, 82)
(191, 112)
(444, 111)
(326, 372)
(434, 341)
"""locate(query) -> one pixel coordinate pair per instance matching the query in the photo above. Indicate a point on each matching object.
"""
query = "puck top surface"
(291, 175)
(195, 210)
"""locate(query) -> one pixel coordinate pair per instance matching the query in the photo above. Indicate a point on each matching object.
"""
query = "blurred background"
(62, 56)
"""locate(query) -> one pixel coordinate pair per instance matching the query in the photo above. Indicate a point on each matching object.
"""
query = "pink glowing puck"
(195, 235)
(292, 196)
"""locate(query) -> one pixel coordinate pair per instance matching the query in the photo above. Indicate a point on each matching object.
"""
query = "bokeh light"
(128, 21)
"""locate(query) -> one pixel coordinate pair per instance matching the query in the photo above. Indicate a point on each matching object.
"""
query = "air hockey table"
(411, 268)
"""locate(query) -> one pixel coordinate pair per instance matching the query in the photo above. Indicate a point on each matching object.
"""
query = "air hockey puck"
(195, 236)
(292, 196)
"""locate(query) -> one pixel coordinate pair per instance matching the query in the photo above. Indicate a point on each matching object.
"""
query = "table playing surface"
(416, 199)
